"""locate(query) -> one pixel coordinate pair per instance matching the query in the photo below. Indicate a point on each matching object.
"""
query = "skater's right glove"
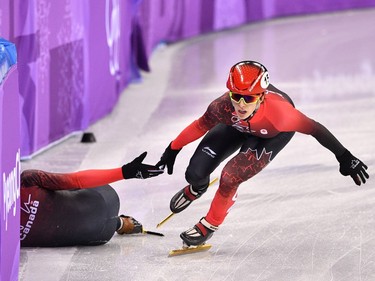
(352, 166)
(168, 158)
(136, 169)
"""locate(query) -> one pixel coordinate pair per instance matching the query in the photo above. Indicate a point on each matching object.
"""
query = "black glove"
(352, 166)
(136, 169)
(168, 158)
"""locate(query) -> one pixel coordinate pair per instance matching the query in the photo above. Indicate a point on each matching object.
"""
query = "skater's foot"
(199, 233)
(183, 198)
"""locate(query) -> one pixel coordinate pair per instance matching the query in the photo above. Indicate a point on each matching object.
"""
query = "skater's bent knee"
(197, 179)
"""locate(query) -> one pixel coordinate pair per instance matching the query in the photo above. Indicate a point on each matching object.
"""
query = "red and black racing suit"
(259, 139)
(68, 209)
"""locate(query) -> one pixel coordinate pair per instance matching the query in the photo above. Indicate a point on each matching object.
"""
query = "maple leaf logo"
(26, 208)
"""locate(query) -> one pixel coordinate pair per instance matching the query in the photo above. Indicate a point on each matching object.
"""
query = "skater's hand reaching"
(352, 166)
(167, 159)
(136, 169)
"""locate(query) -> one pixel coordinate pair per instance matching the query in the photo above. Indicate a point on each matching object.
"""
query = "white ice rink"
(299, 219)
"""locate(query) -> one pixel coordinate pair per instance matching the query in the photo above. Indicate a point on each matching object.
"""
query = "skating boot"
(199, 233)
(182, 199)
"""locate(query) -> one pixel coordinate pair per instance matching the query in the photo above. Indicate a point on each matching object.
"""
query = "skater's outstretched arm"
(349, 164)
(89, 178)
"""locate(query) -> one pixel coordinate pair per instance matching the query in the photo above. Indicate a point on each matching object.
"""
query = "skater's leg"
(249, 162)
(231, 178)
(108, 206)
(254, 156)
(217, 145)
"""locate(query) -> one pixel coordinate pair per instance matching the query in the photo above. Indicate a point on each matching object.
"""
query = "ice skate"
(172, 213)
(194, 239)
(182, 199)
(199, 233)
(189, 249)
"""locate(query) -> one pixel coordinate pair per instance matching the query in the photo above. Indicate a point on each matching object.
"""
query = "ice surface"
(297, 220)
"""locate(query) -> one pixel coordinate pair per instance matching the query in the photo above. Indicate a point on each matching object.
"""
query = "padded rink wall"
(10, 162)
(76, 57)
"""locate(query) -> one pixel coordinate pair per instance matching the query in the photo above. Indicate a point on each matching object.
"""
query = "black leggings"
(222, 141)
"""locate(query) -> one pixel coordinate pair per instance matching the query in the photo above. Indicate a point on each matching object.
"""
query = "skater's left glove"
(136, 169)
(352, 166)
(168, 158)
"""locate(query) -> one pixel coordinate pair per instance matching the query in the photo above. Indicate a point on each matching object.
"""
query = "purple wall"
(76, 57)
(74, 60)
(10, 164)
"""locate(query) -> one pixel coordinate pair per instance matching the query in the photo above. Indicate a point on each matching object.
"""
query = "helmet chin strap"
(251, 115)
(255, 111)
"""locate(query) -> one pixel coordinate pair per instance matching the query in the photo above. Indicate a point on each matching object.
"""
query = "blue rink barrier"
(8, 57)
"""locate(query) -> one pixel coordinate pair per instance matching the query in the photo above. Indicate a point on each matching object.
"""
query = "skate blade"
(189, 250)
